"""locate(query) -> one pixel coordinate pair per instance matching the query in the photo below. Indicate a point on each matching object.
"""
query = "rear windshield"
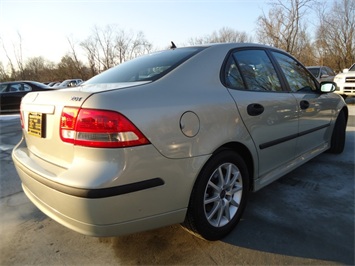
(145, 68)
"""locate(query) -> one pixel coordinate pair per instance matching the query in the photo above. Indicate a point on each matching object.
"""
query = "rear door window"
(251, 70)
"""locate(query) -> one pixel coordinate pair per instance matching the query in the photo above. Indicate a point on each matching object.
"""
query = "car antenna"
(173, 46)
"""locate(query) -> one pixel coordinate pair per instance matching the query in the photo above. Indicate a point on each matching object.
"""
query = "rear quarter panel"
(156, 108)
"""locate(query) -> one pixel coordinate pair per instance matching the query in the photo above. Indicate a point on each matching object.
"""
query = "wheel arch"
(245, 153)
(346, 112)
(338, 133)
(196, 220)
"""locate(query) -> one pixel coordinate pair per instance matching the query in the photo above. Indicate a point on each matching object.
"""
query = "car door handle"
(255, 109)
(304, 104)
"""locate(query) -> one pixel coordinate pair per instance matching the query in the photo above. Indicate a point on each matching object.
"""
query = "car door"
(315, 109)
(11, 99)
(268, 112)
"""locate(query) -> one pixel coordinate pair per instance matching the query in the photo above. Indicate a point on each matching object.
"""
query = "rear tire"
(338, 136)
(219, 196)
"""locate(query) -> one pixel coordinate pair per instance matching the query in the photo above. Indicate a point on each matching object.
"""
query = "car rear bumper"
(159, 199)
(86, 225)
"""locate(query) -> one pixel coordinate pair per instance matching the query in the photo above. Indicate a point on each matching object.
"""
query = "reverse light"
(99, 128)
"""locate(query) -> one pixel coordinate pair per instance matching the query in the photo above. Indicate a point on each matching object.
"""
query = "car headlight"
(339, 79)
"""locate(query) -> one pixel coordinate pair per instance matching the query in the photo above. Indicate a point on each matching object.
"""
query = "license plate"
(36, 125)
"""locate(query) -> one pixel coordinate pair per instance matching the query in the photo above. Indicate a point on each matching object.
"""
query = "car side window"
(232, 75)
(3, 87)
(330, 72)
(297, 77)
(257, 71)
(13, 88)
(25, 87)
(324, 72)
(16, 87)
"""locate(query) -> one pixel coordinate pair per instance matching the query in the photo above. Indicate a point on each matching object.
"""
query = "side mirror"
(345, 70)
(327, 86)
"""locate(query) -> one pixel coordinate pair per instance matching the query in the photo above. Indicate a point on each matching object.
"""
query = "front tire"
(219, 196)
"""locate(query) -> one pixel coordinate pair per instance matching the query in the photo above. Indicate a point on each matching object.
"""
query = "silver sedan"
(177, 136)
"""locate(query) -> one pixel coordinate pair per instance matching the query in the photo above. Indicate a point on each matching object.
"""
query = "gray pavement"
(306, 217)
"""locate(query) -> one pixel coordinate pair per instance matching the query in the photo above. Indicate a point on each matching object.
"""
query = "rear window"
(145, 68)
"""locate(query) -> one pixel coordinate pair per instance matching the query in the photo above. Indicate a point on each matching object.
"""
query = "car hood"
(348, 74)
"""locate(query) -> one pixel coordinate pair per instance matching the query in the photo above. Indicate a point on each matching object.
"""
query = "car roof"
(230, 46)
(22, 81)
(235, 45)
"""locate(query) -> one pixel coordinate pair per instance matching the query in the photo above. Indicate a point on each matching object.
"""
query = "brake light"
(99, 128)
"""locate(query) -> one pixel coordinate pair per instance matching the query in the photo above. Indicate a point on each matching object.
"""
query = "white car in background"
(346, 82)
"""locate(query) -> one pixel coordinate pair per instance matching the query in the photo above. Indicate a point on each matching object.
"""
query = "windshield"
(314, 71)
(352, 68)
(145, 68)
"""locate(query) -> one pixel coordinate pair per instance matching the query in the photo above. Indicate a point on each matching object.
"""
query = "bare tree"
(80, 68)
(105, 43)
(92, 53)
(11, 64)
(34, 69)
(283, 27)
(19, 56)
(304, 48)
(336, 35)
(224, 35)
(3, 74)
(16, 71)
(67, 68)
(110, 46)
(131, 45)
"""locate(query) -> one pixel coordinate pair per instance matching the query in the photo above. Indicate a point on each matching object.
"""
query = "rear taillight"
(99, 128)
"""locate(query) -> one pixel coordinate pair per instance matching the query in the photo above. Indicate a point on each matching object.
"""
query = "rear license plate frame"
(36, 124)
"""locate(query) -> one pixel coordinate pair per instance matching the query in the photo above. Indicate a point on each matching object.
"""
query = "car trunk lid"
(41, 113)
(41, 121)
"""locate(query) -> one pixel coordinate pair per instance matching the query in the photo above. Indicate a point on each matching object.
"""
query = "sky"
(46, 25)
